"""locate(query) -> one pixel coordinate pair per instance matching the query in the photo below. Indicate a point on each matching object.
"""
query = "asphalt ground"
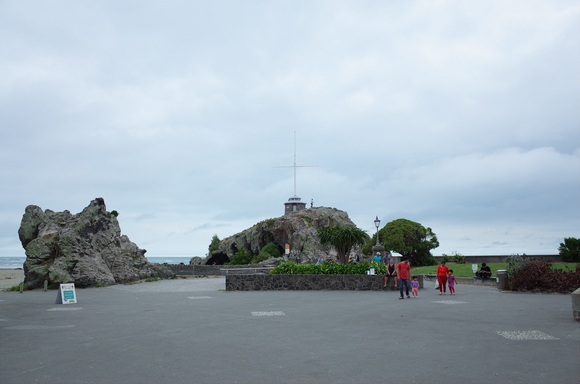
(192, 331)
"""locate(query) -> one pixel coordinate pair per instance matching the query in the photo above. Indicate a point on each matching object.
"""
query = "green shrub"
(260, 257)
(241, 257)
(326, 268)
(515, 263)
(458, 258)
(16, 288)
(445, 258)
(272, 249)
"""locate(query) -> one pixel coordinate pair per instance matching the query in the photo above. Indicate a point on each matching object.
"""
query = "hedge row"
(327, 268)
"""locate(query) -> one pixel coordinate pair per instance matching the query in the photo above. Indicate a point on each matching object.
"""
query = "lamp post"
(377, 224)
(378, 249)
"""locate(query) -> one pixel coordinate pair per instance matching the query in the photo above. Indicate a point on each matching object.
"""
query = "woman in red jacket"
(442, 277)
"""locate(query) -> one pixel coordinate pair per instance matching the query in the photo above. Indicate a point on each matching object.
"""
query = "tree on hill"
(410, 239)
(570, 250)
(215, 243)
(342, 239)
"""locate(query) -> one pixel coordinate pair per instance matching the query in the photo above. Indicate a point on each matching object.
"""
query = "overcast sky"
(462, 116)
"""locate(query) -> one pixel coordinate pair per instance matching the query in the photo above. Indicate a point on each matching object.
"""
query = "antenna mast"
(294, 163)
(295, 166)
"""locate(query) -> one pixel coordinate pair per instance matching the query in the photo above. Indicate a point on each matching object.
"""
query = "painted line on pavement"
(450, 302)
(526, 335)
(270, 313)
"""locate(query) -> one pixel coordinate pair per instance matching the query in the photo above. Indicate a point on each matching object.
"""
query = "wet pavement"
(193, 331)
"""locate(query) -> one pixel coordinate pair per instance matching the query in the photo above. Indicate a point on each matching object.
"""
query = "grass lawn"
(464, 270)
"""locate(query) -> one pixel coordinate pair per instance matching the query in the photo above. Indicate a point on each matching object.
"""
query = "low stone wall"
(309, 282)
(576, 304)
(501, 258)
(491, 282)
(212, 270)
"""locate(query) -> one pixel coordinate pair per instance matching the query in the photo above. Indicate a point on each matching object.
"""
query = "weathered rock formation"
(298, 229)
(196, 260)
(86, 249)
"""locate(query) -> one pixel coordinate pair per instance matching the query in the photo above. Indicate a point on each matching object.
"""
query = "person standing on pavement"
(415, 287)
(451, 282)
(403, 271)
(442, 277)
(387, 258)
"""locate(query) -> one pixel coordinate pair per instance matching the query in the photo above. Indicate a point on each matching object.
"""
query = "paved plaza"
(192, 331)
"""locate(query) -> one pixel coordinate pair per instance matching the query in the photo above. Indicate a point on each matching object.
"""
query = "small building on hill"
(294, 204)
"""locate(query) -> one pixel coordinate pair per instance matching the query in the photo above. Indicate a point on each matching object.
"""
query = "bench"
(491, 281)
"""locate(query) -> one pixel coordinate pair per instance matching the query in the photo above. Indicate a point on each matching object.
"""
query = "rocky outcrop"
(86, 249)
(196, 260)
(298, 229)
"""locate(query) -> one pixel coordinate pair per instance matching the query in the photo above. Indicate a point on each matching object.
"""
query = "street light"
(377, 223)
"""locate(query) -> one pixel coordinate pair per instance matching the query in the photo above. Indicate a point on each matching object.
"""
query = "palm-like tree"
(342, 239)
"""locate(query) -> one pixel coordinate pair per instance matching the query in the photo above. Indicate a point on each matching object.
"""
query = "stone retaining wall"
(211, 270)
(491, 282)
(576, 304)
(501, 258)
(309, 282)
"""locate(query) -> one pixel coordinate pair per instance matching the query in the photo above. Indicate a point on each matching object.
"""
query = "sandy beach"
(10, 278)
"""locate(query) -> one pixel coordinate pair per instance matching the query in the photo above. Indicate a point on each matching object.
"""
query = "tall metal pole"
(295, 166)
(294, 163)
(377, 224)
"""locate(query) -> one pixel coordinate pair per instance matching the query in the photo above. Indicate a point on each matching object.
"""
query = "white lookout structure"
(294, 204)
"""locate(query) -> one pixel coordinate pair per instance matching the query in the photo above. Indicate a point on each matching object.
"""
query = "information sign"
(474, 267)
(66, 294)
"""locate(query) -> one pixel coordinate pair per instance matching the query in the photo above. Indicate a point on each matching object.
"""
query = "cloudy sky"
(462, 116)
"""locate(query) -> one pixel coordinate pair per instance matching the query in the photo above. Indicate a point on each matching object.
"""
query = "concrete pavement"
(191, 331)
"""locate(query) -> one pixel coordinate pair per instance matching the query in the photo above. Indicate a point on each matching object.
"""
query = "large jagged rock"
(196, 260)
(86, 249)
(298, 229)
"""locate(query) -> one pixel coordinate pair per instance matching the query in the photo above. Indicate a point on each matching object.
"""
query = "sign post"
(66, 294)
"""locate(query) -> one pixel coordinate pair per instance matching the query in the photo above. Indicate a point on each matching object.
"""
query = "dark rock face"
(86, 249)
(298, 229)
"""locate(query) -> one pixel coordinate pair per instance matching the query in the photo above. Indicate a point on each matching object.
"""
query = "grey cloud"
(446, 113)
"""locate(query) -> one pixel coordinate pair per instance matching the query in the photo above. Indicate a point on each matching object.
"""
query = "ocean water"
(169, 259)
(12, 262)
